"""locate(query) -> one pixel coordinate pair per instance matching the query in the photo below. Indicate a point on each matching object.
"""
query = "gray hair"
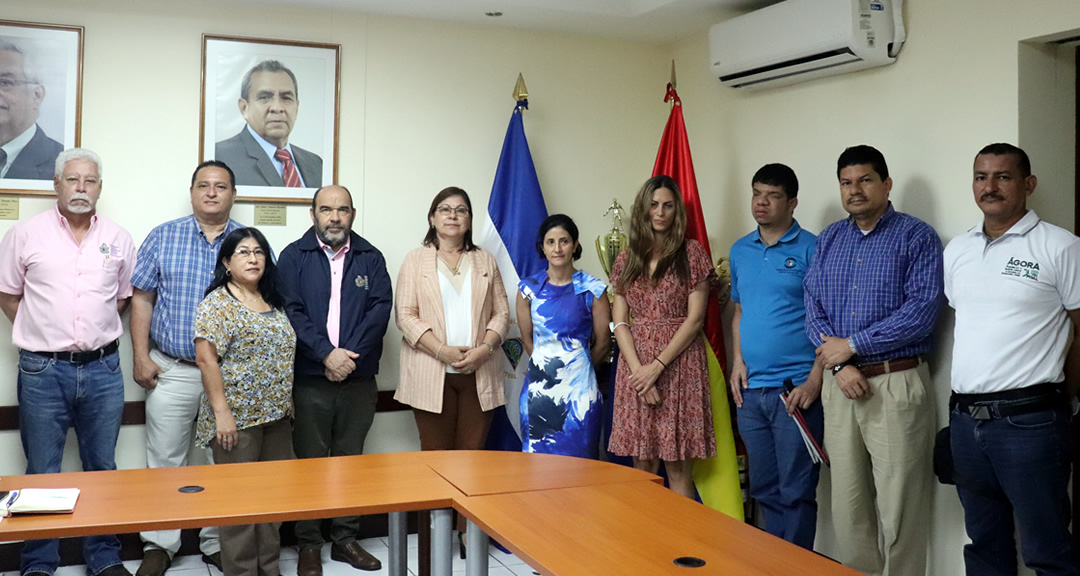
(30, 66)
(76, 154)
(266, 66)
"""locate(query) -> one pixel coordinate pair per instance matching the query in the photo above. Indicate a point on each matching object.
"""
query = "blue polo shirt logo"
(789, 263)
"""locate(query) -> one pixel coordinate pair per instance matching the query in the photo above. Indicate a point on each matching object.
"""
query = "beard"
(80, 208)
(332, 238)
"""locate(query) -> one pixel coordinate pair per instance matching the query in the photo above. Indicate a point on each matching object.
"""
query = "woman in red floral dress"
(662, 406)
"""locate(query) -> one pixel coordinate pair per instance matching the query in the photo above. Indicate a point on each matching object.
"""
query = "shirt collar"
(15, 146)
(64, 221)
(788, 236)
(1022, 227)
(329, 251)
(889, 214)
(265, 145)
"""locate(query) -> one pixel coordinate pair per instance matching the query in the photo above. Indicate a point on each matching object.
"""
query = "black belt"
(82, 357)
(1036, 398)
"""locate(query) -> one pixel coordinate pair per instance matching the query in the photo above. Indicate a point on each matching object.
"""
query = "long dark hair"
(267, 284)
(432, 237)
(640, 246)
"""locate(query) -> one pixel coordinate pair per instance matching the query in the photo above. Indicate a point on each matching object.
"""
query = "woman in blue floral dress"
(564, 316)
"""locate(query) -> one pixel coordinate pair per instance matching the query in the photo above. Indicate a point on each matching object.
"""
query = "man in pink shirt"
(65, 277)
(337, 295)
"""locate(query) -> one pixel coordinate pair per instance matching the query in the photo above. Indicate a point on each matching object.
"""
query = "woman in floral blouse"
(244, 346)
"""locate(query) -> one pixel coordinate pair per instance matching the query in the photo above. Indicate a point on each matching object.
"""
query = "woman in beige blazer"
(452, 311)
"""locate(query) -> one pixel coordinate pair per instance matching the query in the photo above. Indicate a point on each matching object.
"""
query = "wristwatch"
(836, 369)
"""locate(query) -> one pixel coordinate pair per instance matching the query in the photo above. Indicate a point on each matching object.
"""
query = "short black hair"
(214, 164)
(778, 175)
(557, 221)
(1005, 149)
(863, 154)
(315, 196)
(266, 66)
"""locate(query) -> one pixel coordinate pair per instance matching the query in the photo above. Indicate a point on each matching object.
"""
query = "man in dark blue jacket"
(338, 298)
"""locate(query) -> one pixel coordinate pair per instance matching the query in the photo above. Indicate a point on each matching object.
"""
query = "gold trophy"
(723, 285)
(608, 246)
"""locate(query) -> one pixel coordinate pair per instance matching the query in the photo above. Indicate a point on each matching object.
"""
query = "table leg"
(441, 535)
(423, 538)
(399, 538)
(476, 553)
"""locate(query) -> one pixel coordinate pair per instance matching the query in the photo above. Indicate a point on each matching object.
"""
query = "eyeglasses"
(245, 254)
(7, 84)
(445, 210)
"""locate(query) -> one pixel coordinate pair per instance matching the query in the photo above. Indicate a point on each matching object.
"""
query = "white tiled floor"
(499, 564)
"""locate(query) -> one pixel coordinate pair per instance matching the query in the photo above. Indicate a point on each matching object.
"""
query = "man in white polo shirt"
(1013, 283)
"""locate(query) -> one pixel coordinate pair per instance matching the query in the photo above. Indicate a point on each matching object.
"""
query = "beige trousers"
(881, 449)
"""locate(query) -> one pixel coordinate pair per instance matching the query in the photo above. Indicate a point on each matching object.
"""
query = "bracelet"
(491, 349)
(437, 352)
(661, 362)
(619, 324)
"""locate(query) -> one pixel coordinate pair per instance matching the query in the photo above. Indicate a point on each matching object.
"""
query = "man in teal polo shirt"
(767, 269)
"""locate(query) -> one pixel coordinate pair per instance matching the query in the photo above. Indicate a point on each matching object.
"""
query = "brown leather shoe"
(353, 554)
(155, 562)
(310, 563)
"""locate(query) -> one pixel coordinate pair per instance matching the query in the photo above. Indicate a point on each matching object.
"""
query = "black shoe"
(117, 570)
(155, 562)
(461, 544)
(213, 560)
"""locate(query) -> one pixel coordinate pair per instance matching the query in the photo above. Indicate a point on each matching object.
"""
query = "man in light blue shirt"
(767, 269)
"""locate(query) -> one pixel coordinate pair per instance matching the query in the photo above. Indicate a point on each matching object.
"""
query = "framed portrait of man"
(270, 112)
(40, 102)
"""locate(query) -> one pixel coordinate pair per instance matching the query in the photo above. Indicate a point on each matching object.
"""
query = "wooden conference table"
(563, 516)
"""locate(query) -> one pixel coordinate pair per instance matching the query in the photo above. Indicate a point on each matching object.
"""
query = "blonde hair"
(642, 238)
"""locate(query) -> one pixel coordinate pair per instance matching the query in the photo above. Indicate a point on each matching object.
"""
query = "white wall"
(955, 88)
(425, 105)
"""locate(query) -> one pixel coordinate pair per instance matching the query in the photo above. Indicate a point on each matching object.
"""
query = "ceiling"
(660, 21)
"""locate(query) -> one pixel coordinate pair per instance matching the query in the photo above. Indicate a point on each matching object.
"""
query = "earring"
(228, 272)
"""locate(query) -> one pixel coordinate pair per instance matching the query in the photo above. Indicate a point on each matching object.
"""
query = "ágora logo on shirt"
(1021, 269)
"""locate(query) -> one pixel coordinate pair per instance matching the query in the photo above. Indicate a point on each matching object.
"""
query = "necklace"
(453, 269)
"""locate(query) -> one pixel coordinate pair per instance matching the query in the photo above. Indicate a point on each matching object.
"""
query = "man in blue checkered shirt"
(872, 296)
(175, 265)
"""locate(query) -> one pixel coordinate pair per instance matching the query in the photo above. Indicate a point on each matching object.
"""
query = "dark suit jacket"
(37, 161)
(252, 167)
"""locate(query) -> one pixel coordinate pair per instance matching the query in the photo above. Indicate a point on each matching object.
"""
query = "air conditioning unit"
(799, 40)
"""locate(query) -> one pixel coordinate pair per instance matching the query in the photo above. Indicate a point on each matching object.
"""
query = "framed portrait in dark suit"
(270, 112)
(40, 102)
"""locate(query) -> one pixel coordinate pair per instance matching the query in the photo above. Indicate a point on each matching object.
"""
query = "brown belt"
(889, 366)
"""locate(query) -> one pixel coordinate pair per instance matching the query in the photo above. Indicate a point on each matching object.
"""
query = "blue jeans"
(1014, 472)
(783, 479)
(54, 396)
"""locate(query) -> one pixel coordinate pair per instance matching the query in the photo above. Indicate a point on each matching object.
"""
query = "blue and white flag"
(515, 211)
